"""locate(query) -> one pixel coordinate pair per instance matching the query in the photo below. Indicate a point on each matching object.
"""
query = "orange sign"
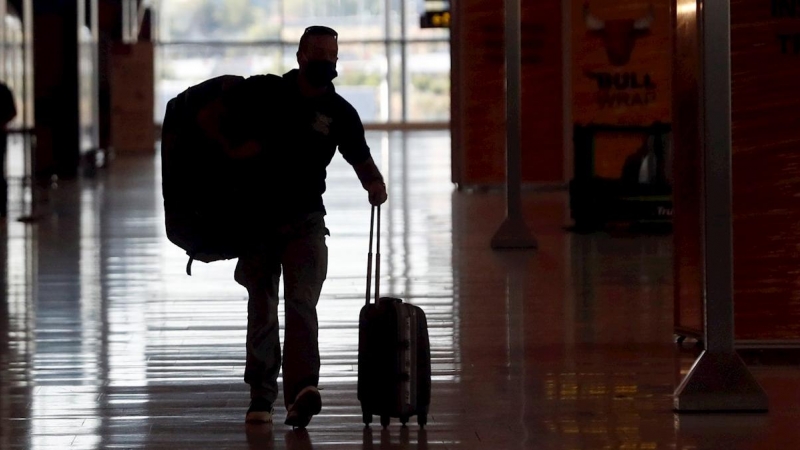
(621, 62)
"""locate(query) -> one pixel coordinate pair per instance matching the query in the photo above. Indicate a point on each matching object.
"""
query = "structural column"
(56, 96)
(65, 70)
(719, 379)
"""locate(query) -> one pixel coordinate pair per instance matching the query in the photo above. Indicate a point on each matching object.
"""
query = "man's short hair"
(316, 30)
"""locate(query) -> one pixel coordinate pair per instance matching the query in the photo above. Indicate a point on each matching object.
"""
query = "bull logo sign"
(619, 35)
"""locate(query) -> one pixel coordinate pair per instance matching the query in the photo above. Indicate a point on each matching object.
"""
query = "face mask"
(320, 72)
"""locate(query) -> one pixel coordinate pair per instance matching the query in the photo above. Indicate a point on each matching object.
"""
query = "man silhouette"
(314, 122)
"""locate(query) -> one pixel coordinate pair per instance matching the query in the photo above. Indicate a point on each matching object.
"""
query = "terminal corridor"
(105, 342)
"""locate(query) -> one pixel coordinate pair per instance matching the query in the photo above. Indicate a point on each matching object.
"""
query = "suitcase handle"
(377, 255)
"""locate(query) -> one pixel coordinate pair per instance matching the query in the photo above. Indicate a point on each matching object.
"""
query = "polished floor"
(106, 343)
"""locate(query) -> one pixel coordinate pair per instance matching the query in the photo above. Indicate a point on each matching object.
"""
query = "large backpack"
(216, 197)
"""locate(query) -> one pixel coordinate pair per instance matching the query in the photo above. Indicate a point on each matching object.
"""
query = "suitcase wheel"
(422, 420)
(385, 421)
(367, 418)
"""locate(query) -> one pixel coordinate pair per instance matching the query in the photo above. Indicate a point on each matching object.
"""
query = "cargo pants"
(301, 254)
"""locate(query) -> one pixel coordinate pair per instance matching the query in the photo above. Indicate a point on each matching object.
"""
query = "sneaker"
(260, 411)
(307, 404)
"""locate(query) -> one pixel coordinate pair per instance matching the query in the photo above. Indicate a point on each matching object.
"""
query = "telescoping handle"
(377, 255)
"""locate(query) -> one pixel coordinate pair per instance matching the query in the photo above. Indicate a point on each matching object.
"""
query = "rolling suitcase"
(394, 353)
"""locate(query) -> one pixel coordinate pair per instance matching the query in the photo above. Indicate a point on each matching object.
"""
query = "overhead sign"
(435, 19)
(434, 13)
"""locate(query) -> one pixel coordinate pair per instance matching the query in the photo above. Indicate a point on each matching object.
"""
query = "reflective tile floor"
(106, 343)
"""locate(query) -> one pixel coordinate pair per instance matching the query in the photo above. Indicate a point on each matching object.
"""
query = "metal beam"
(719, 380)
(513, 233)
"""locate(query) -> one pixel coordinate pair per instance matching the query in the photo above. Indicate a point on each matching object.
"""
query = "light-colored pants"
(301, 252)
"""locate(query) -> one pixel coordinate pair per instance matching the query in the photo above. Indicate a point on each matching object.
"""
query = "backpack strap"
(189, 264)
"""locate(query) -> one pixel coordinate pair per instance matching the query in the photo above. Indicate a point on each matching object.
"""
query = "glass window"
(219, 20)
(428, 91)
(362, 79)
(13, 70)
(355, 20)
(200, 39)
(183, 65)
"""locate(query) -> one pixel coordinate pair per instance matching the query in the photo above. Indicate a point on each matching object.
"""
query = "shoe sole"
(307, 405)
(259, 417)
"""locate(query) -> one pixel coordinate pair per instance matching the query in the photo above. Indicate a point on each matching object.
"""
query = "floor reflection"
(298, 440)
(106, 343)
(386, 439)
(260, 436)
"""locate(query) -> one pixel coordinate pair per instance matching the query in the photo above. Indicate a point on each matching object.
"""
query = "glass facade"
(16, 71)
(390, 70)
